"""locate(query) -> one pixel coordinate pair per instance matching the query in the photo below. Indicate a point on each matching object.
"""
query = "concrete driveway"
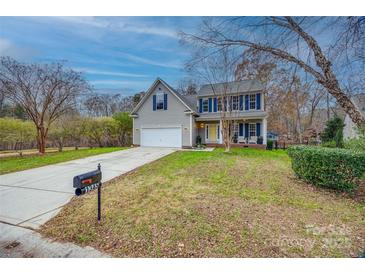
(30, 198)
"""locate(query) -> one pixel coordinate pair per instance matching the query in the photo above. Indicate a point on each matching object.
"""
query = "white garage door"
(161, 137)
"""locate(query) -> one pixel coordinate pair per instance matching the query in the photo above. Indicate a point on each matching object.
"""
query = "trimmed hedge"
(335, 168)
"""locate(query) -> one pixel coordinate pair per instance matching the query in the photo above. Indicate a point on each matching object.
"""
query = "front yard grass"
(17, 163)
(246, 203)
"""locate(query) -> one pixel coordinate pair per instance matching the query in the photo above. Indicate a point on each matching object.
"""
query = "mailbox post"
(99, 196)
(86, 182)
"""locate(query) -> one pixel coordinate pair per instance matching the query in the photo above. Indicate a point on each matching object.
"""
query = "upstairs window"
(235, 103)
(159, 101)
(219, 103)
(205, 105)
(252, 101)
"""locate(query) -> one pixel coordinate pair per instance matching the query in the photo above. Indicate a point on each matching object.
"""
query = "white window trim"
(206, 133)
(163, 100)
(249, 102)
(207, 100)
(191, 129)
(236, 129)
(237, 103)
(219, 99)
(217, 133)
(249, 130)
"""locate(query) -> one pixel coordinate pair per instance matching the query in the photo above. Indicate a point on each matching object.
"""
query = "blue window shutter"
(241, 129)
(215, 109)
(247, 102)
(200, 105)
(241, 102)
(210, 104)
(154, 102)
(246, 130)
(258, 129)
(165, 101)
(258, 100)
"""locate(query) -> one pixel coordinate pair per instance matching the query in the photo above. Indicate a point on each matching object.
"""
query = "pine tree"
(333, 131)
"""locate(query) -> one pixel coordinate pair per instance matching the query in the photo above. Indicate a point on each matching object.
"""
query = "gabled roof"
(191, 100)
(230, 87)
(180, 97)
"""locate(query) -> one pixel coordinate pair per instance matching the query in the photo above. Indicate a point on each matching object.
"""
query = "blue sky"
(117, 54)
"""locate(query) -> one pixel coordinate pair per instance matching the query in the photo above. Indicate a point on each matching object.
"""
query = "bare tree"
(291, 97)
(285, 38)
(220, 69)
(46, 92)
(187, 87)
(101, 104)
(2, 97)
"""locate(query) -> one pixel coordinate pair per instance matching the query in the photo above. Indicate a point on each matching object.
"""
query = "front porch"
(243, 133)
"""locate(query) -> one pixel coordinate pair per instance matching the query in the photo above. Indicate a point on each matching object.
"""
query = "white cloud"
(138, 59)
(8, 48)
(120, 83)
(110, 73)
(4, 45)
(148, 30)
(120, 25)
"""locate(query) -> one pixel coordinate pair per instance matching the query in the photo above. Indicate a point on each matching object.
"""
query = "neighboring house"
(165, 118)
(350, 130)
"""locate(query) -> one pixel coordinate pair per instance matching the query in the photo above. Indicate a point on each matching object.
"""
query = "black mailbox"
(87, 181)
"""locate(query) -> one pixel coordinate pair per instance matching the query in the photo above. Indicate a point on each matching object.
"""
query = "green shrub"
(198, 140)
(331, 144)
(356, 144)
(333, 131)
(334, 168)
(269, 144)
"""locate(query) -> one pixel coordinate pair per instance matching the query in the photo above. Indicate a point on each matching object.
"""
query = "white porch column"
(264, 130)
(220, 132)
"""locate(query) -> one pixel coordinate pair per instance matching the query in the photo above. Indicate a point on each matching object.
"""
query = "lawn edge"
(4, 173)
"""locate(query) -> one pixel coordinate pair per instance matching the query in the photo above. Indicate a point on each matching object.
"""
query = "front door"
(212, 133)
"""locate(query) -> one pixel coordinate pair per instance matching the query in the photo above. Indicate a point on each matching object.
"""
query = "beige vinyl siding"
(174, 116)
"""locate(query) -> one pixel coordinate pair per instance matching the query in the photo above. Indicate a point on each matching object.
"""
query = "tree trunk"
(41, 139)
(100, 143)
(298, 120)
(226, 135)
(60, 145)
(328, 107)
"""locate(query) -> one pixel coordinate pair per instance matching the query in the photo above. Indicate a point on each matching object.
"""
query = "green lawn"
(214, 204)
(11, 164)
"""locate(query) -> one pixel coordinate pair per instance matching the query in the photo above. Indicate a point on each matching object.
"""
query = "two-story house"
(165, 118)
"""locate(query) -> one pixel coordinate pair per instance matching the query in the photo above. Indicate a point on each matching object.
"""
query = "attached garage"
(161, 137)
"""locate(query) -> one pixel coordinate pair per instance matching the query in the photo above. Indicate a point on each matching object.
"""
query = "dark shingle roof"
(230, 87)
(190, 100)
